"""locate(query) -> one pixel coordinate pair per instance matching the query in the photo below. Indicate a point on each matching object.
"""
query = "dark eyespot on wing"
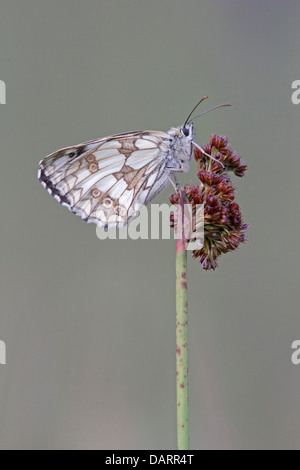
(77, 152)
(72, 153)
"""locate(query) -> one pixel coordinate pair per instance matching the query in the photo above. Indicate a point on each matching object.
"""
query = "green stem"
(181, 339)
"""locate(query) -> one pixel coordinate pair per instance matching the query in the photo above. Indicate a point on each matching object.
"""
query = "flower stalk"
(181, 332)
(224, 232)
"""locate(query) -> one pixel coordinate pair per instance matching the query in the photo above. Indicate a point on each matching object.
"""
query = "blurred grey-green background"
(89, 325)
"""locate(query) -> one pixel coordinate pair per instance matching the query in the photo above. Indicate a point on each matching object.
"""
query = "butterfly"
(106, 181)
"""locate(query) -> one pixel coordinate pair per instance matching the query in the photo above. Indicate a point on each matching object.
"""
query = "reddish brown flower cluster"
(223, 224)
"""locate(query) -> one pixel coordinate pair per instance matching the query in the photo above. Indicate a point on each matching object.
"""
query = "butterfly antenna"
(202, 99)
(204, 112)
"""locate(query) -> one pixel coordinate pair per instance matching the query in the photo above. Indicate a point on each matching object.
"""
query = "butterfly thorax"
(180, 149)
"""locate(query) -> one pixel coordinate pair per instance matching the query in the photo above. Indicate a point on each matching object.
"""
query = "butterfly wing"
(106, 181)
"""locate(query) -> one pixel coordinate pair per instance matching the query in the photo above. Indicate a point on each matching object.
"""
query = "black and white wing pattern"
(105, 181)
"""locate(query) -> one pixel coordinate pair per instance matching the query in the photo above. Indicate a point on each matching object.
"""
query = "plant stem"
(181, 336)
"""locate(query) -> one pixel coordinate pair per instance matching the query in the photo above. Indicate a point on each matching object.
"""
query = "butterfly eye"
(185, 131)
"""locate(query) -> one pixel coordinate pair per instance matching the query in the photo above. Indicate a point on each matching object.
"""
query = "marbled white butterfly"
(105, 181)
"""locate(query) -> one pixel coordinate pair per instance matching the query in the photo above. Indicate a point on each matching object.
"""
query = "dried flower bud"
(224, 228)
(219, 149)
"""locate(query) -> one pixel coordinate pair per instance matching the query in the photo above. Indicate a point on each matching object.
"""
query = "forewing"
(106, 181)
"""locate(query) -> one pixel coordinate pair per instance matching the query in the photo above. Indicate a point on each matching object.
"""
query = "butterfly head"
(187, 131)
(183, 133)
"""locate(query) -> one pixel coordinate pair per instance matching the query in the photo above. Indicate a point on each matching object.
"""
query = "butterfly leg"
(207, 154)
(173, 180)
